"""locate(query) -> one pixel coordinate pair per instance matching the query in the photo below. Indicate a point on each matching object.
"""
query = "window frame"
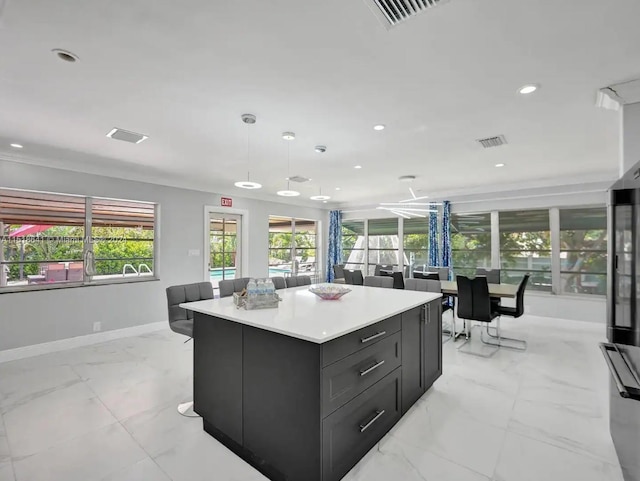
(364, 249)
(558, 289)
(293, 247)
(87, 241)
(487, 252)
(370, 266)
(494, 251)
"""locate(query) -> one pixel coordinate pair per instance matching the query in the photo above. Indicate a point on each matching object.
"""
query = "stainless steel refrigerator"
(622, 352)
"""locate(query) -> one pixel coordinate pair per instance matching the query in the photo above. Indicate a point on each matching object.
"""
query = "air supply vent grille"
(393, 12)
(489, 142)
(127, 136)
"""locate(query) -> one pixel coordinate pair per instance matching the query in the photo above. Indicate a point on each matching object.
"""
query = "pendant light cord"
(288, 162)
(248, 152)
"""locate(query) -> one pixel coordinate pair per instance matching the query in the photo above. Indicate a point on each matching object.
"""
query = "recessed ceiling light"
(378, 127)
(17, 146)
(65, 55)
(499, 165)
(319, 197)
(288, 135)
(325, 201)
(288, 193)
(321, 149)
(528, 89)
(337, 188)
(247, 184)
(357, 167)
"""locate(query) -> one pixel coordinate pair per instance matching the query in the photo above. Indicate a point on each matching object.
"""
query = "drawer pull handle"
(364, 427)
(371, 338)
(372, 368)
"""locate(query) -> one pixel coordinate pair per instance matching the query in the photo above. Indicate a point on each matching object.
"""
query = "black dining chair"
(443, 272)
(398, 278)
(381, 267)
(378, 281)
(434, 276)
(515, 312)
(338, 274)
(492, 275)
(353, 277)
(474, 304)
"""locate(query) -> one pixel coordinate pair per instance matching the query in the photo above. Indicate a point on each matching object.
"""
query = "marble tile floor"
(108, 413)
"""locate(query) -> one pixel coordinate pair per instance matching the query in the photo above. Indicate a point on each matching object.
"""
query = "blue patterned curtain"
(446, 234)
(433, 235)
(334, 252)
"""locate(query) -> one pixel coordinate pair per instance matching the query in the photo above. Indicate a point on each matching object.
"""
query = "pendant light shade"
(288, 136)
(247, 184)
(248, 119)
(320, 196)
(288, 193)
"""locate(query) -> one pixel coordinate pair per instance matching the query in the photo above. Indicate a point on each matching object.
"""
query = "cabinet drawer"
(356, 427)
(341, 347)
(345, 379)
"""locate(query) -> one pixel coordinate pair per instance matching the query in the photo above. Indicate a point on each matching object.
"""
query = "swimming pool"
(229, 272)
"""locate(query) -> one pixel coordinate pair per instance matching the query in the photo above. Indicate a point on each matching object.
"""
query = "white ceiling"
(183, 73)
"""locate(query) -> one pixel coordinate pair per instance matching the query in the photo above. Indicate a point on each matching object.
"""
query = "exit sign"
(226, 201)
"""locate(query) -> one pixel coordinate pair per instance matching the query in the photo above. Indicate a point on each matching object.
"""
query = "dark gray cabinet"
(432, 357)
(297, 410)
(421, 351)
(344, 379)
(356, 427)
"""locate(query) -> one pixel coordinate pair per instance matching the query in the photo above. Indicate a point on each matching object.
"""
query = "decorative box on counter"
(259, 301)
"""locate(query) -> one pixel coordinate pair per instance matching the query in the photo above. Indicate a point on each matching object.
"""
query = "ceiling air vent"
(492, 141)
(127, 136)
(299, 179)
(392, 12)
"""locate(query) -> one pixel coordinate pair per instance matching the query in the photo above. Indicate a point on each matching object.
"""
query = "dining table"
(507, 291)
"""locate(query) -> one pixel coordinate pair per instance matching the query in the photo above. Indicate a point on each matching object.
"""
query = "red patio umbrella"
(26, 230)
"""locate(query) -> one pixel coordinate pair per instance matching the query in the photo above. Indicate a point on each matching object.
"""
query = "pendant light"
(288, 136)
(320, 197)
(248, 119)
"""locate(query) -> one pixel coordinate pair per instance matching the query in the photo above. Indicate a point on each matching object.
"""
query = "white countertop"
(303, 315)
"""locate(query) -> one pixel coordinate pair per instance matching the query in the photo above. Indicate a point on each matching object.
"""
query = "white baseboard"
(89, 339)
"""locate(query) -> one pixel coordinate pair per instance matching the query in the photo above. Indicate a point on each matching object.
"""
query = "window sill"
(588, 297)
(51, 287)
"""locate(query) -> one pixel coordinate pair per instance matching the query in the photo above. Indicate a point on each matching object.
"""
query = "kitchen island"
(303, 391)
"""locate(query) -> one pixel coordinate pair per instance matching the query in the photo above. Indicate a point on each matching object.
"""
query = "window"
(525, 247)
(292, 246)
(305, 247)
(353, 244)
(46, 240)
(223, 247)
(123, 238)
(416, 242)
(470, 242)
(583, 250)
(383, 243)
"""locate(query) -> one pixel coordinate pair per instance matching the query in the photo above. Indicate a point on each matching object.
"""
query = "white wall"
(581, 308)
(630, 140)
(28, 318)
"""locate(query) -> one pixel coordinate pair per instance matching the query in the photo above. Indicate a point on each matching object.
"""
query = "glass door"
(224, 247)
(623, 264)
